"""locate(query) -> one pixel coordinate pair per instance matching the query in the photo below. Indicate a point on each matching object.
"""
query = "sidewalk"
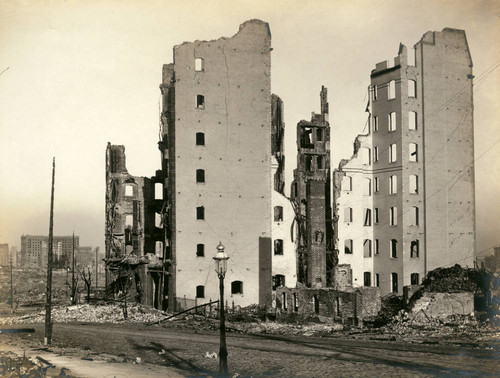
(83, 368)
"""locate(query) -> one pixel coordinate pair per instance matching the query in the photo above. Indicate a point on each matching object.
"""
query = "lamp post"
(221, 268)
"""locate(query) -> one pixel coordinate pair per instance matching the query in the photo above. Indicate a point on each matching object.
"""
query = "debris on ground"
(108, 313)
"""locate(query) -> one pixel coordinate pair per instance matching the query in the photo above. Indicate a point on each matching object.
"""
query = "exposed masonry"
(311, 197)
(404, 202)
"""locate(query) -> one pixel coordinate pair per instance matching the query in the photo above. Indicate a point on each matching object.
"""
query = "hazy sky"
(77, 74)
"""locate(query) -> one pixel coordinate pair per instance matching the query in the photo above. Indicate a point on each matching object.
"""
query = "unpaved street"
(263, 354)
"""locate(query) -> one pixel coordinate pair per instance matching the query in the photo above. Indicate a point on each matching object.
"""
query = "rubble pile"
(456, 279)
(108, 313)
(12, 365)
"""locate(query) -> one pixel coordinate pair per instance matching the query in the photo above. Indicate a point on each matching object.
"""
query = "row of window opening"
(391, 89)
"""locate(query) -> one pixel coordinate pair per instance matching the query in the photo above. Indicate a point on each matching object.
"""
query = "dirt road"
(262, 354)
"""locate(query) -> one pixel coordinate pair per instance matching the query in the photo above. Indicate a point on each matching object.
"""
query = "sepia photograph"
(249, 188)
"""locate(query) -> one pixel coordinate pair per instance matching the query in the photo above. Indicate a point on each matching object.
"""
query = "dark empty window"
(319, 135)
(306, 138)
(200, 101)
(368, 217)
(200, 139)
(394, 248)
(200, 250)
(200, 175)
(278, 247)
(200, 212)
(319, 162)
(414, 248)
(278, 213)
(200, 291)
(309, 165)
(414, 278)
(278, 280)
(394, 282)
(236, 287)
(367, 278)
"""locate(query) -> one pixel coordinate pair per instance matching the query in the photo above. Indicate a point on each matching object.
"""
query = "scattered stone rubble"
(108, 313)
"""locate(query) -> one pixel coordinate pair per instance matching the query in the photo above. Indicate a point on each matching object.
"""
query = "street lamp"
(221, 269)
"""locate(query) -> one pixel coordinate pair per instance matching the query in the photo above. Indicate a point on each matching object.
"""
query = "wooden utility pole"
(11, 287)
(96, 266)
(73, 289)
(48, 306)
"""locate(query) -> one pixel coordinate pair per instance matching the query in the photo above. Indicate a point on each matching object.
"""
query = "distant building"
(85, 257)
(34, 250)
(405, 200)
(4, 255)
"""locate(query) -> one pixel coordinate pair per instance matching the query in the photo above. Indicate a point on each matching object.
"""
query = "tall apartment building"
(405, 200)
(221, 179)
(34, 250)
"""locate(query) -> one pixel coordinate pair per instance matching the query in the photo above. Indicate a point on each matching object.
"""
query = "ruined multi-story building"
(405, 200)
(221, 179)
(311, 195)
(34, 250)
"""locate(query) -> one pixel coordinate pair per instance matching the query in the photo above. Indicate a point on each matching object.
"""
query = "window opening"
(347, 183)
(377, 249)
(129, 218)
(316, 304)
(348, 246)
(319, 162)
(375, 123)
(413, 152)
(278, 281)
(200, 101)
(200, 250)
(376, 185)
(413, 184)
(412, 120)
(394, 248)
(200, 176)
(319, 135)
(159, 249)
(412, 88)
(200, 291)
(306, 138)
(367, 187)
(414, 248)
(374, 92)
(283, 301)
(392, 121)
(309, 167)
(393, 219)
(392, 153)
(295, 303)
(375, 154)
(129, 190)
(367, 249)
(394, 279)
(414, 279)
(278, 246)
(368, 217)
(278, 213)
(391, 90)
(375, 215)
(377, 279)
(365, 156)
(199, 64)
(348, 214)
(414, 216)
(393, 184)
(158, 190)
(200, 213)
(200, 139)
(158, 222)
(236, 287)
(367, 278)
